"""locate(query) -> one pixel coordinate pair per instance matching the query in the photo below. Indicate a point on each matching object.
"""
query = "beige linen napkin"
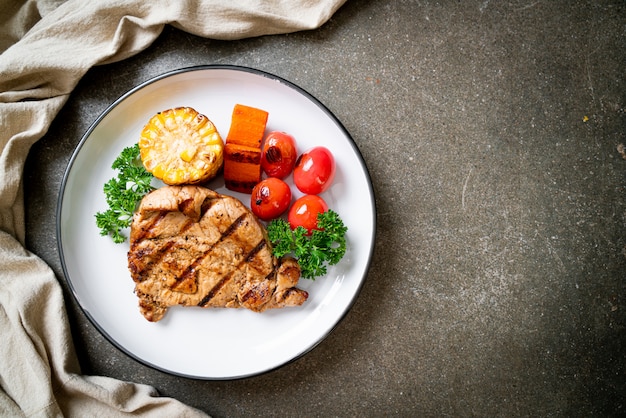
(46, 47)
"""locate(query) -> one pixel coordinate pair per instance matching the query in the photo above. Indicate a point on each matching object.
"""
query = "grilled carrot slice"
(247, 126)
(242, 167)
(242, 152)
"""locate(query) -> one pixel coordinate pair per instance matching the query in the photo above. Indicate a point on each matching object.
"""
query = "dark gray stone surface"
(491, 132)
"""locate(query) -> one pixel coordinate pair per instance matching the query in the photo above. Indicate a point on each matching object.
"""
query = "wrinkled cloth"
(46, 46)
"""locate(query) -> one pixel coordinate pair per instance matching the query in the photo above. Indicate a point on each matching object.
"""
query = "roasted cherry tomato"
(304, 212)
(314, 171)
(279, 154)
(270, 198)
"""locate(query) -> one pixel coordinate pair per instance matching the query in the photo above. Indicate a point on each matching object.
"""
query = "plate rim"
(85, 137)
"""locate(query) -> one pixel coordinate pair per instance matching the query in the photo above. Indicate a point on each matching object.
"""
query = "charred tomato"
(279, 154)
(270, 198)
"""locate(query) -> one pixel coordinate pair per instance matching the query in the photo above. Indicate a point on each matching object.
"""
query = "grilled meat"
(191, 246)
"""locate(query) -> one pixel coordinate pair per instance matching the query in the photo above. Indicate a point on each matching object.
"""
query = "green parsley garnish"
(123, 193)
(314, 252)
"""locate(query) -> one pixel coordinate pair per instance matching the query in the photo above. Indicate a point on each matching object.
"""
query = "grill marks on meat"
(191, 246)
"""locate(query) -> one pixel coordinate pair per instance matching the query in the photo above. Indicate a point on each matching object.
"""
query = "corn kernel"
(188, 154)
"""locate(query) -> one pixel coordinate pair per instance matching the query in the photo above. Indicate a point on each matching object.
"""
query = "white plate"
(210, 343)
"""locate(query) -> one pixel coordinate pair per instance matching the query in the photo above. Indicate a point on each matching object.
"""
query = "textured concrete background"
(491, 131)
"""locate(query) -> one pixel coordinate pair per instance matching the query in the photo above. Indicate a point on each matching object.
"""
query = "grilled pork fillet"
(191, 246)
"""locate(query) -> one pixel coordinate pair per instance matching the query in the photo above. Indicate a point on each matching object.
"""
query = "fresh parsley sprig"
(123, 193)
(314, 252)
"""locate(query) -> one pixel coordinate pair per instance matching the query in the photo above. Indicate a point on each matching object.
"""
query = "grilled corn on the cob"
(181, 146)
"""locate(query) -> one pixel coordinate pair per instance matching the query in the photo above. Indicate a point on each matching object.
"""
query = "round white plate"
(211, 343)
